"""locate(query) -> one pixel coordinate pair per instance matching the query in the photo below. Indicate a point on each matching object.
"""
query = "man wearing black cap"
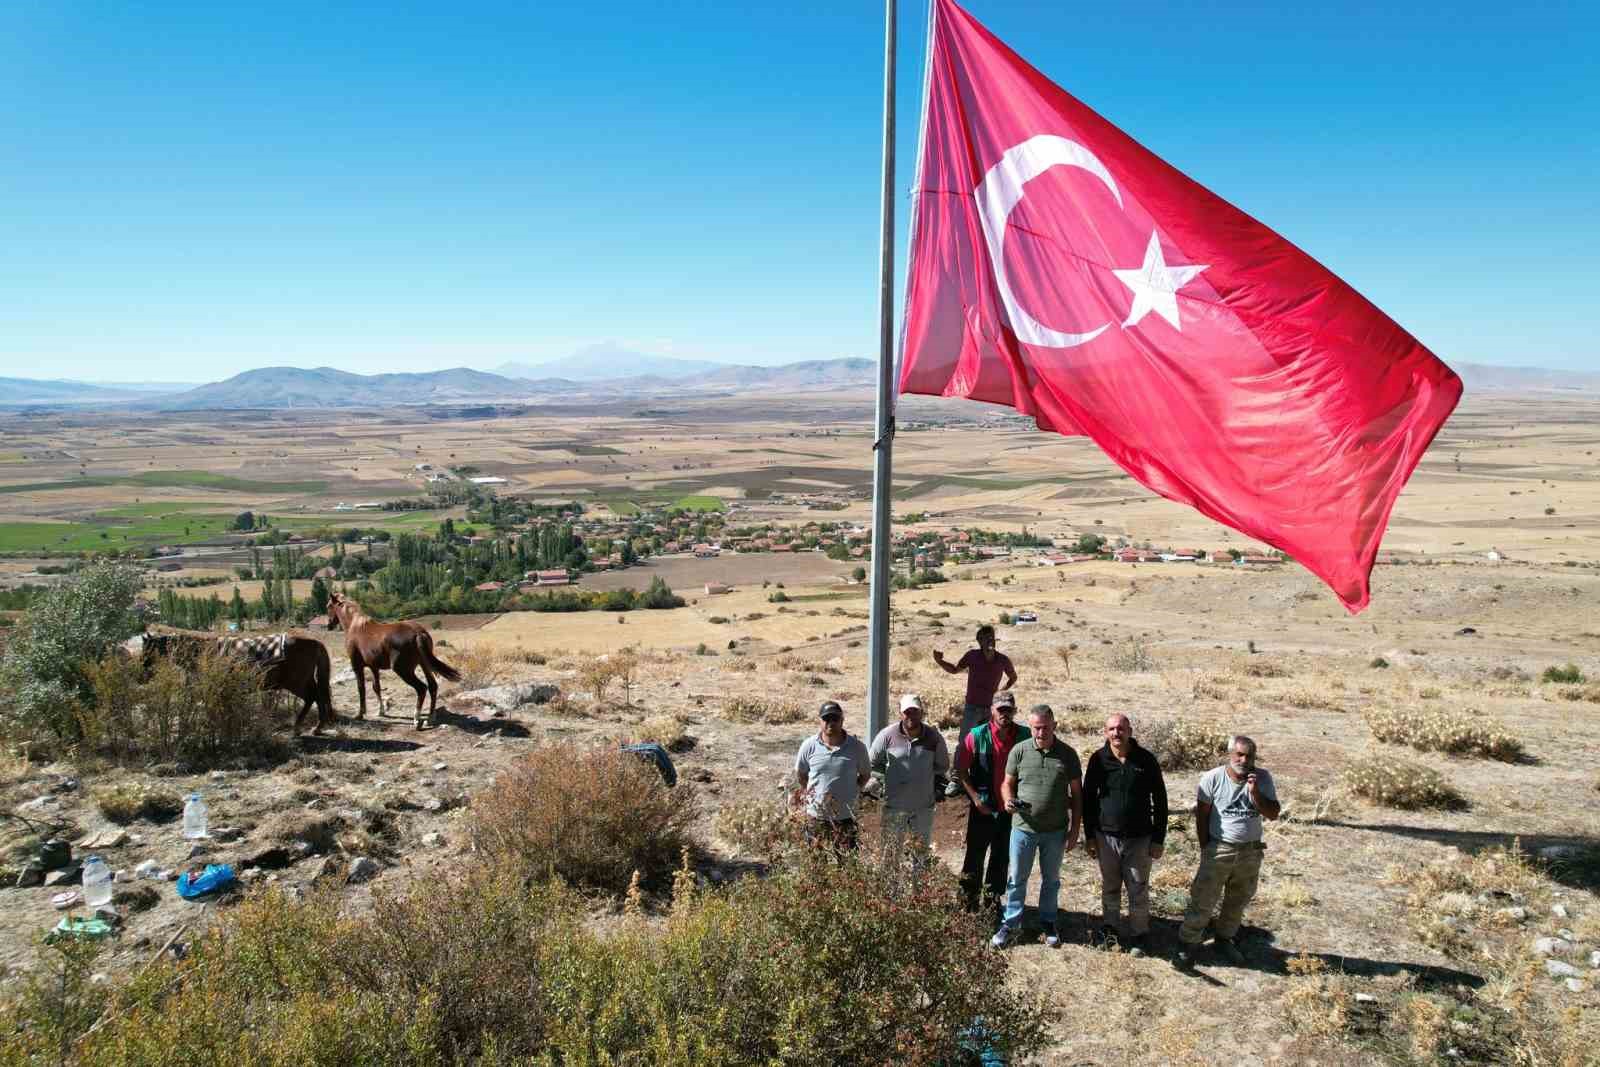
(829, 771)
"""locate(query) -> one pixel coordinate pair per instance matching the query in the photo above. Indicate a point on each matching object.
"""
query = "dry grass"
(1455, 733)
(1396, 783)
(1184, 743)
(484, 665)
(126, 801)
(771, 710)
(668, 731)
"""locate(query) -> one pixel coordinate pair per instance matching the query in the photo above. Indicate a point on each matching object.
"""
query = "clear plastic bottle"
(96, 882)
(194, 817)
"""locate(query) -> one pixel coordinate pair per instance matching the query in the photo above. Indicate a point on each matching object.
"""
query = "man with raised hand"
(829, 771)
(1043, 791)
(1125, 828)
(913, 760)
(1230, 804)
(985, 668)
(980, 771)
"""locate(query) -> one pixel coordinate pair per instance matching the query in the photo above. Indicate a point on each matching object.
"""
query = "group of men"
(1030, 800)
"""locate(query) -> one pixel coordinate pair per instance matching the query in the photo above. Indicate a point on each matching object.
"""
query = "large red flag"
(1060, 268)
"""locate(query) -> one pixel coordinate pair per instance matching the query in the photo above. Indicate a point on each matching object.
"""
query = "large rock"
(1560, 969)
(69, 875)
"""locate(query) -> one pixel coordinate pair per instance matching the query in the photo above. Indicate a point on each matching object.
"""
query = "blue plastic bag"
(651, 752)
(216, 876)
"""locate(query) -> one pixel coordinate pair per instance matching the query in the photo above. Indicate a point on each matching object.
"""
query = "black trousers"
(984, 868)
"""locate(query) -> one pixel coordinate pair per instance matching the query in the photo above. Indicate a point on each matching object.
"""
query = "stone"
(197, 850)
(1559, 911)
(1567, 935)
(1515, 914)
(227, 833)
(147, 869)
(1594, 959)
(1577, 985)
(1366, 998)
(425, 783)
(40, 803)
(114, 838)
(314, 803)
(69, 875)
(1560, 969)
(1552, 946)
(218, 776)
(1558, 852)
(433, 839)
(441, 766)
(433, 804)
(362, 869)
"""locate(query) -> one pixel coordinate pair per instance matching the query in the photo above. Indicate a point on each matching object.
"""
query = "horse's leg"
(408, 674)
(361, 682)
(377, 691)
(433, 689)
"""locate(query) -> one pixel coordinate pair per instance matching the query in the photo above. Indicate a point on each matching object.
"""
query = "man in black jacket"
(1125, 827)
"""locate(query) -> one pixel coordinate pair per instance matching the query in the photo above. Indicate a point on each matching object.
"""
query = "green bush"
(46, 660)
(1569, 674)
(817, 963)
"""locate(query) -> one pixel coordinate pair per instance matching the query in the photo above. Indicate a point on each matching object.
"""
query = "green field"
(112, 532)
(698, 502)
(174, 479)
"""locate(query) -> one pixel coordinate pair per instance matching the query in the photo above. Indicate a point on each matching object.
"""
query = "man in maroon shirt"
(985, 667)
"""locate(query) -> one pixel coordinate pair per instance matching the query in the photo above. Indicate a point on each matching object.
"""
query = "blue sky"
(189, 190)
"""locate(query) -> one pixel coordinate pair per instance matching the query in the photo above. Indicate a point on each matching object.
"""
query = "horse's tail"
(435, 664)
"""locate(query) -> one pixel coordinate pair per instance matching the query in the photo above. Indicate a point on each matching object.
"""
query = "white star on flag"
(1155, 285)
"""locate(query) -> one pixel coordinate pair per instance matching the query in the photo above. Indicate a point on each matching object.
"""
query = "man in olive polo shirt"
(1044, 793)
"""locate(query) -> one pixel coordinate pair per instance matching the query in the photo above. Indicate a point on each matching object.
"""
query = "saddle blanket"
(262, 649)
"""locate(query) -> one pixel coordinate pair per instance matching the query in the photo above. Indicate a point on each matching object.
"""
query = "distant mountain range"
(653, 376)
(609, 361)
(33, 391)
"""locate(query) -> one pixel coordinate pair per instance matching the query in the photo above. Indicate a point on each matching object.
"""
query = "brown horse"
(296, 663)
(398, 646)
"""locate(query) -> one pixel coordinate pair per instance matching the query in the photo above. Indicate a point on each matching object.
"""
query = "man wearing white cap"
(913, 760)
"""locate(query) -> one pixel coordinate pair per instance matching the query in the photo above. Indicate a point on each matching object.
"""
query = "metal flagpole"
(882, 479)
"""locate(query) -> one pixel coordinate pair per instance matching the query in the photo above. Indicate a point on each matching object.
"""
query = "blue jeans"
(1050, 846)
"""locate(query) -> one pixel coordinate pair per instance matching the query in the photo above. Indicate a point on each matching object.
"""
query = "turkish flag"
(1060, 268)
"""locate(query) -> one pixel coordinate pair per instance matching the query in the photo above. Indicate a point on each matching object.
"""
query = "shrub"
(1265, 669)
(814, 964)
(1591, 693)
(668, 731)
(1570, 673)
(1397, 783)
(127, 801)
(47, 657)
(1213, 688)
(773, 711)
(213, 712)
(780, 597)
(1309, 698)
(767, 830)
(481, 666)
(1185, 744)
(1456, 733)
(588, 816)
(1004, 618)
(1131, 657)
(1379, 663)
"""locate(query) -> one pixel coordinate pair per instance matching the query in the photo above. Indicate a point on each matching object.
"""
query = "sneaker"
(1001, 937)
(1184, 959)
(1052, 936)
(953, 788)
(1135, 946)
(1230, 951)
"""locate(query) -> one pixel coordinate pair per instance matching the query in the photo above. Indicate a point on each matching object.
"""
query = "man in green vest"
(1043, 791)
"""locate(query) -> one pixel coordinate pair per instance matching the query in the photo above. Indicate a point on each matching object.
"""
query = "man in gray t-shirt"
(1230, 803)
(829, 771)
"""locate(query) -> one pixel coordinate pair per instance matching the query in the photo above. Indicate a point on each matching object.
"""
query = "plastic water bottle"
(194, 817)
(96, 882)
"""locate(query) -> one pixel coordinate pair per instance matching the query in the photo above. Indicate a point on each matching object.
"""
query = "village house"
(327, 573)
(705, 551)
(488, 587)
(552, 577)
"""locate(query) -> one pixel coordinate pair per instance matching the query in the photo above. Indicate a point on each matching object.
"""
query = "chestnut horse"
(296, 663)
(398, 646)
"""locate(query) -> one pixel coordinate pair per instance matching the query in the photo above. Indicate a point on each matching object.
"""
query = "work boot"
(1136, 946)
(1230, 951)
(1184, 958)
